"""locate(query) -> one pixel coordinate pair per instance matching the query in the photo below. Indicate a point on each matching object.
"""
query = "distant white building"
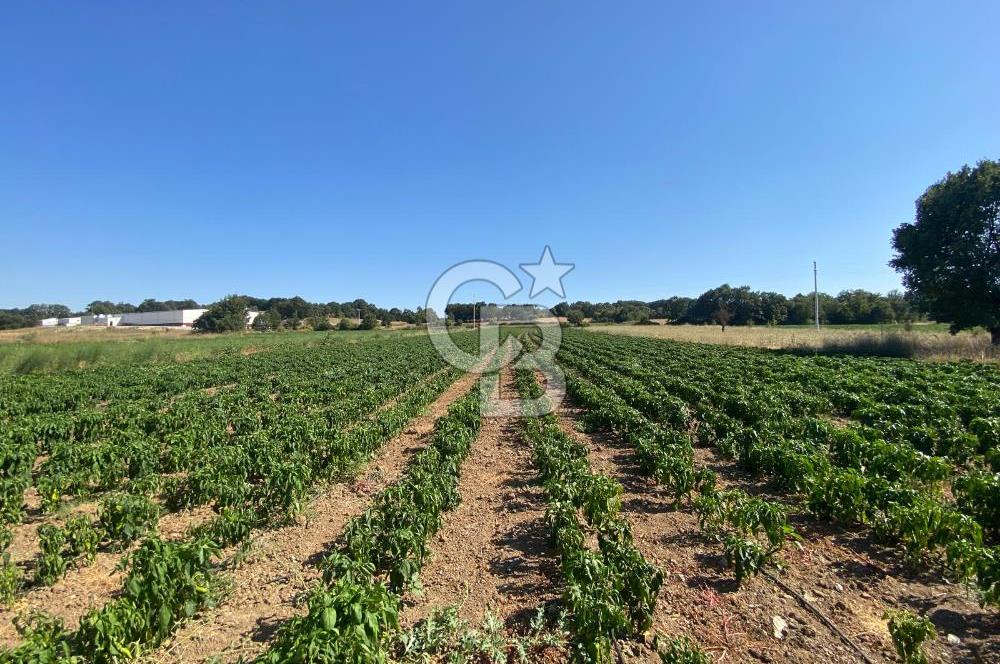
(177, 318)
(101, 320)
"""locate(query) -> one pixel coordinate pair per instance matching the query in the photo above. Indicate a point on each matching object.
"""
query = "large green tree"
(950, 255)
(227, 315)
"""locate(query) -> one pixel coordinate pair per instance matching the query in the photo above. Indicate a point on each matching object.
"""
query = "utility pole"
(816, 295)
(473, 310)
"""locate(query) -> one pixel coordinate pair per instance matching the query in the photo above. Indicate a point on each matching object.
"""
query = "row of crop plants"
(169, 581)
(611, 591)
(941, 409)
(252, 460)
(846, 474)
(102, 445)
(353, 613)
(67, 391)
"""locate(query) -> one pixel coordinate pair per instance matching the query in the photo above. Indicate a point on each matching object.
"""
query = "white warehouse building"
(178, 318)
(101, 320)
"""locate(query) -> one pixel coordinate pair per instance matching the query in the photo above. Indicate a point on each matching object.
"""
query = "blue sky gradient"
(343, 150)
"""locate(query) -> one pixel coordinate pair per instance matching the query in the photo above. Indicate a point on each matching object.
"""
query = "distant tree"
(267, 321)
(674, 309)
(347, 324)
(368, 322)
(773, 308)
(459, 312)
(14, 321)
(151, 305)
(574, 317)
(950, 255)
(39, 311)
(707, 305)
(722, 315)
(227, 315)
(320, 323)
(109, 307)
(903, 310)
(182, 304)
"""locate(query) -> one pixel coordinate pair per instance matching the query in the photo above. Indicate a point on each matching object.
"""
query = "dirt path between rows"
(853, 580)
(835, 570)
(283, 564)
(91, 585)
(698, 598)
(492, 554)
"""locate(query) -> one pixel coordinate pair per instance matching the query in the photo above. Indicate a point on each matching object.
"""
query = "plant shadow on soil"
(867, 561)
(266, 629)
(534, 572)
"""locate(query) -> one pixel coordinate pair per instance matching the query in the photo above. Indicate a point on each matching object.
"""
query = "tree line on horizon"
(728, 305)
(949, 258)
(275, 310)
(745, 307)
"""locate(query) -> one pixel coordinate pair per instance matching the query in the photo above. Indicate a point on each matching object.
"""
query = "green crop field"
(685, 502)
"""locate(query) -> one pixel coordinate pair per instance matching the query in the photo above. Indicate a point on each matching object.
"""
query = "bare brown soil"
(282, 567)
(492, 553)
(840, 572)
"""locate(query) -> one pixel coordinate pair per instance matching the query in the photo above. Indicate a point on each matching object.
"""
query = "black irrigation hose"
(826, 621)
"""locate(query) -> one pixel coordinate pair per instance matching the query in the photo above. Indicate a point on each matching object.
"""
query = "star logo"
(546, 274)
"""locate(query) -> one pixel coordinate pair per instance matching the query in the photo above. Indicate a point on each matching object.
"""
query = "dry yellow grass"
(934, 345)
(51, 335)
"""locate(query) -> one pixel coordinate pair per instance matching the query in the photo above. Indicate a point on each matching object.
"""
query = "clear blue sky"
(338, 150)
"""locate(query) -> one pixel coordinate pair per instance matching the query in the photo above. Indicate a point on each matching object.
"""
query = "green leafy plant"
(600, 498)
(681, 650)
(10, 580)
(82, 538)
(611, 592)
(44, 640)
(232, 526)
(908, 632)
(124, 518)
(51, 562)
(977, 494)
(50, 489)
(348, 622)
(446, 638)
(746, 556)
(166, 582)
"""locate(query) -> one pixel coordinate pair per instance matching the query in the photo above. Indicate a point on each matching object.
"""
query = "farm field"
(341, 498)
(47, 350)
(922, 340)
